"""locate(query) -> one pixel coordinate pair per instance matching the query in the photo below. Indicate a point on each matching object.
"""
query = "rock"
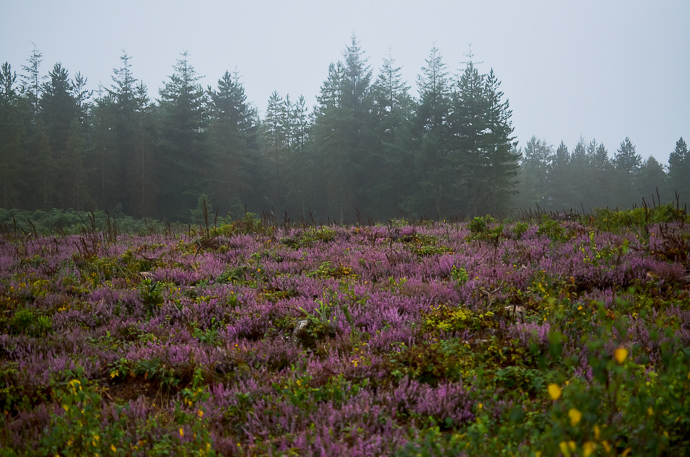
(300, 333)
(146, 275)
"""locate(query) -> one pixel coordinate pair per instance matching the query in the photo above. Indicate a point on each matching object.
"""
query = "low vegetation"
(554, 336)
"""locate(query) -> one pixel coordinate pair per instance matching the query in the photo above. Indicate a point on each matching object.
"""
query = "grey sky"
(597, 69)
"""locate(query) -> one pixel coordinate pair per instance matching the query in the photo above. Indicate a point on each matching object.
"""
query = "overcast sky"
(598, 69)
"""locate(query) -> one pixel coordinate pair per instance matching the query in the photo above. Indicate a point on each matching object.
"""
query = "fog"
(600, 70)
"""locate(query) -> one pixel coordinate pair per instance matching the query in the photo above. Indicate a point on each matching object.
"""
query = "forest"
(371, 148)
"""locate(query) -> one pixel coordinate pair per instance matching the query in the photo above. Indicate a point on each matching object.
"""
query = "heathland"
(558, 334)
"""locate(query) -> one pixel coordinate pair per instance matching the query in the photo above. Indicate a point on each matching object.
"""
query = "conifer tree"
(389, 162)
(535, 174)
(182, 149)
(431, 140)
(233, 143)
(652, 182)
(485, 160)
(499, 150)
(74, 179)
(627, 165)
(10, 139)
(679, 170)
(342, 132)
(58, 107)
(31, 81)
(561, 187)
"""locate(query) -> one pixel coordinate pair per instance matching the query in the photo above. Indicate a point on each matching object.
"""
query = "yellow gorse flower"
(554, 391)
(575, 416)
(620, 355)
(588, 448)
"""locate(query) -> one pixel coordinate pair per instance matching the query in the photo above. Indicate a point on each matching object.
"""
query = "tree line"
(589, 177)
(368, 148)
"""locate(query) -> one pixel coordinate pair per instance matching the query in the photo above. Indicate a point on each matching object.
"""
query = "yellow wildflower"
(620, 355)
(555, 391)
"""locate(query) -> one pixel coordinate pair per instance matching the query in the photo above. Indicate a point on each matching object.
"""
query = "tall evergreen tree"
(332, 144)
(73, 180)
(105, 161)
(499, 149)
(579, 167)
(300, 167)
(652, 182)
(679, 170)
(183, 155)
(561, 187)
(58, 107)
(233, 140)
(600, 176)
(627, 164)
(44, 170)
(141, 171)
(486, 160)
(431, 137)
(535, 174)
(32, 81)
(10, 139)
(389, 163)
(342, 133)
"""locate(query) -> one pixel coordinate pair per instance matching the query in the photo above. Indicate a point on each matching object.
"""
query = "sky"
(603, 70)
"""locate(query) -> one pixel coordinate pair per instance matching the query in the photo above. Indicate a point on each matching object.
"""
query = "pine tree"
(652, 181)
(108, 178)
(577, 174)
(10, 139)
(141, 172)
(74, 180)
(58, 107)
(485, 159)
(499, 150)
(599, 177)
(233, 139)
(535, 174)
(679, 170)
(627, 165)
(43, 169)
(342, 131)
(561, 188)
(32, 84)
(331, 145)
(183, 156)
(389, 162)
(431, 140)
(300, 166)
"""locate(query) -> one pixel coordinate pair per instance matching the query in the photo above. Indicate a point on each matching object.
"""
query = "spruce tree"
(58, 107)
(652, 182)
(74, 178)
(389, 162)
(499, 150)
(182, 149)
(485, 159)
(32, 81)
(10, 139)
(561, 187)
(342, 132)
(679, 170)
(431, 140)
(627, 165)
(534, 177)
(233, 145)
